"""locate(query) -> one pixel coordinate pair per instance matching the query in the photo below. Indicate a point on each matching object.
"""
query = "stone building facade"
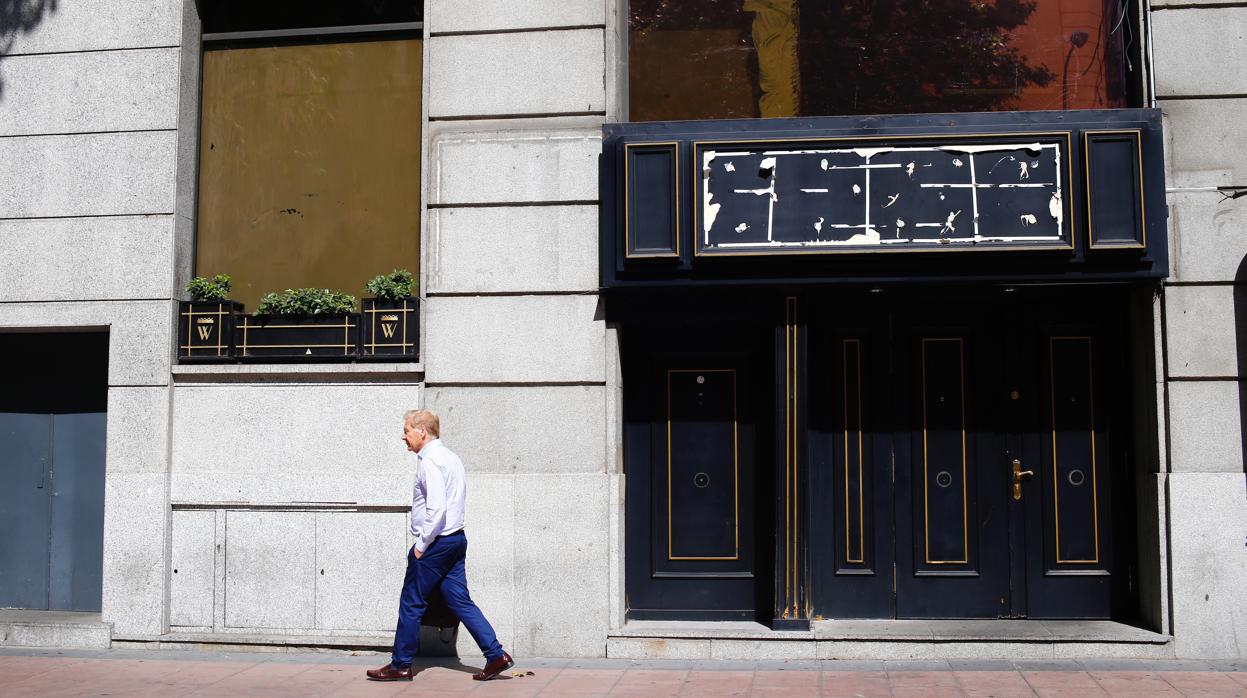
(264, 503)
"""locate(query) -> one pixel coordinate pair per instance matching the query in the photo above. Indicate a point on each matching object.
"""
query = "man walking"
(436, 561)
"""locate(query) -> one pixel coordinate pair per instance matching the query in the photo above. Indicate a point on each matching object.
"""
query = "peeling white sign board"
(810, 196)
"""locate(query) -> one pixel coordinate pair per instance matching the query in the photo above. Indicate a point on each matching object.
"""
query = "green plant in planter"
(306, 302)
(393, 286)
(206, 321)
(209, 290)
(390, 327)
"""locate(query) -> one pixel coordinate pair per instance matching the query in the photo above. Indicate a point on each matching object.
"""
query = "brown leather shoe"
(495, 667)
(389, 673)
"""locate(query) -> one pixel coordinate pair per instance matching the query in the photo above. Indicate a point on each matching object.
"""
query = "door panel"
(952, 393)
(359, 560)
(25, 509)
(1068, 536)
(52, 420)
(701, 548)
(944, 506)
(952, 528)
(1073, 460)
(850, 468)
(701, 477)
(694, 397)
(77, 539)
(853, 463)
(916, 407)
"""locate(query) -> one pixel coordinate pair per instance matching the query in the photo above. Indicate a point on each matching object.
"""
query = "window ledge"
(380, 370)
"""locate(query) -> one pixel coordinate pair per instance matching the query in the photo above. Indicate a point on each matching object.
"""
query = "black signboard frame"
(1111, 187)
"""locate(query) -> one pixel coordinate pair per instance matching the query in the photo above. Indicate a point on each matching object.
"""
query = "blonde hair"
(424, 418)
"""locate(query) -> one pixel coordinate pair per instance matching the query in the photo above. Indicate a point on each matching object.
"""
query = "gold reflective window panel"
(723, 59)
(309, 165)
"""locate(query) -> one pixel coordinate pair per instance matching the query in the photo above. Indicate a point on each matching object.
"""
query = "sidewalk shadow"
(420, 665)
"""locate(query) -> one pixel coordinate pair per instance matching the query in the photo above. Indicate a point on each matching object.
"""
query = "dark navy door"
(952, 532)
(697, 405)
(963, 449)
(52, 416)
(1072, 455)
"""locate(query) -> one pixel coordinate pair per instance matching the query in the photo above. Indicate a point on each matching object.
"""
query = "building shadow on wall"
(19, 17)
(1240, 343)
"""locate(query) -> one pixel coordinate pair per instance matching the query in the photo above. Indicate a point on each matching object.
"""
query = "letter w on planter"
(309, 337)
(206, 330)
(390, 329)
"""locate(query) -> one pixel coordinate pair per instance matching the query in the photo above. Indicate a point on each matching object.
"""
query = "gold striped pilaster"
(792, 528)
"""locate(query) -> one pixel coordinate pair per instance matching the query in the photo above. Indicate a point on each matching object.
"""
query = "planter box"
(318, 338)
(206, 330)
(390, 329)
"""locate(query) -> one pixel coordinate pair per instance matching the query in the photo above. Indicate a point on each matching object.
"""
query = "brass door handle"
(1018, 474)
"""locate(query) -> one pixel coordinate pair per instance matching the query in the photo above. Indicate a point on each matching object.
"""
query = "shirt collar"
(424, 448)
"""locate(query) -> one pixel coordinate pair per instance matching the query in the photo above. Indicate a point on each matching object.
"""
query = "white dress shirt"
(439, 495)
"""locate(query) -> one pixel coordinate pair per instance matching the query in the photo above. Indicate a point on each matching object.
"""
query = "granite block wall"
(517, 352)
(1199, 84)
(88, 130)
(98, 134)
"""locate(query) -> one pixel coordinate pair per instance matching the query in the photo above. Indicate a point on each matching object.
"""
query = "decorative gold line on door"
(861, 502)
(1056, 480)
(926, 478)
(791, 490)
(735, 470)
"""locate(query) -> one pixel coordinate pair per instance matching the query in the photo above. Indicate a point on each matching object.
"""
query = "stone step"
(22, 628)
(888, 639)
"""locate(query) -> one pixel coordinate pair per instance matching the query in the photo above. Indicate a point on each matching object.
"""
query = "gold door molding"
(735, 470)
(849, 558)
(792, 529)
(1090, 430)
(926, 479)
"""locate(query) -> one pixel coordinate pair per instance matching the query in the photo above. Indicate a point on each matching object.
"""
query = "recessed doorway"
(53, 403)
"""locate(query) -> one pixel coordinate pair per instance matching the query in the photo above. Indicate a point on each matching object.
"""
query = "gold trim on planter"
(373, 312)
(346, 345)
(221, 347)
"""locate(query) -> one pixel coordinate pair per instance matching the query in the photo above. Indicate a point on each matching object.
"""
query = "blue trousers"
(441, 566)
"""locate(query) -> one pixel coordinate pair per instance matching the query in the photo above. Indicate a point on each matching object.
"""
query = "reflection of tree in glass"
(912, 56)
(854, 57)
(685, 14)
(20, 16)
(691, 59)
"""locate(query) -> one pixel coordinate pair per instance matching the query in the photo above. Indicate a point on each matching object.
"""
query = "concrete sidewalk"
(192, 673)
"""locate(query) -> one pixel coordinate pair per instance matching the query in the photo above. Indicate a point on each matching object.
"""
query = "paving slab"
(132, 672)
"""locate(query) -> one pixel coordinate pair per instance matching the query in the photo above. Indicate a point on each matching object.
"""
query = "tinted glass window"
(714, 59)
(261, 15)
(309, 165)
